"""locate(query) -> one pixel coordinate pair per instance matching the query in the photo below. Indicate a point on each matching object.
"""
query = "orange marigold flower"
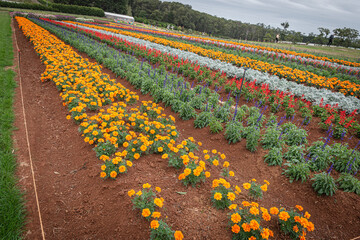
(246, 185)
(156, 214)
(235, 218)
(218, 196)
(267, 182)
(178, 235)
(146, 185)
(207, 174)
(266, 216)
(181, 176)
(235, 228)
(136, 156)
(265, 233)
(252, 238)
(274, 210)
(307, 215)
(295, 228)
(226, 164)
(310, 227)
(284, 216)
(131, 192)
(103, 174)
(146, 212)
(139, 193)
(254, 211)
(158, 202)
(299, 207)
(232, 206)
(154, 224)
(158, 189)
(246, 227)
(254, 224)
(246, 203)
(164, 156)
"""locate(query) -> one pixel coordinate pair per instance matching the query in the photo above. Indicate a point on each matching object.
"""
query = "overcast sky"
(303, 15)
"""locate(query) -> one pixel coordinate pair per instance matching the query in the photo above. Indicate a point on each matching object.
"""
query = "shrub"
(349, 183)
(324, 184)
(233, 131)
(297, 171)
(274, 157)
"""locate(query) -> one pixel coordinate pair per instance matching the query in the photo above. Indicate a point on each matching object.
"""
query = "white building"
(119, 17)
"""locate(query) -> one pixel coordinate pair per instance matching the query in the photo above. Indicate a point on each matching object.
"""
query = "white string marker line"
(27, 140)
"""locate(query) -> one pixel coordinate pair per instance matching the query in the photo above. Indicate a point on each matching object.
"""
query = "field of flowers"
(303, 120)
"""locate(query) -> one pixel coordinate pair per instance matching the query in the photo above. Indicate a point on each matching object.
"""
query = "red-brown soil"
(76, 203)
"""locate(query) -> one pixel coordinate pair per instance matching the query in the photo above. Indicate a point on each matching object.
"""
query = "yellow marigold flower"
(264, 187)
(254, 225)
(218, 196)
(125, 144)
(235, 228)
(113, 174)
(68, 117)
(131, 192)
(160, 149)
(246, 227)
(139, 193)
(200, 144)
(235, 218)
(143, 148)
(136, 156)
(226, 164)
(164, 156)
(178, 235)
(299, 207)
(95, 133)
(154, 224)
(284, 216)
(231, 173)
(231, 196)
(223, 156)
(158, 189)
(215, 162)
(207, 174)
(227, 184)
(146, 185)
(103, 174)
(214, 151)
(129, 163)
(187, 171)
(128, 137)
(237, 188)
(274, 210)
(173, 133)
(103, 167)
(122, 168)
(156, 214)
(254, 204)
(215, 183)
(232, 206)
(207, 157)
(246, 185)
(197, 172)
(254, 180)
(246, 203)
(267, 182)
(205, 151)
(158, 202)
(146, 212)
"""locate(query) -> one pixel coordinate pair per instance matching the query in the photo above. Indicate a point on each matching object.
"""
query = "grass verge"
(12, 213)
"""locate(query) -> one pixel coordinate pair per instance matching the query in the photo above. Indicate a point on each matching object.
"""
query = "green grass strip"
(12, 212)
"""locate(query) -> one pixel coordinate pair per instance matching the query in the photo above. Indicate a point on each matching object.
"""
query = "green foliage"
(295, 136)
(252, 138)
(215, 125)
(271, 138)
(224, 202)
(104, 148)
(349, 183)
(145, 200)
(319, 156)
(324, 184)
(187, 111)
(274, 157)
(272, 121)
(202, 120)
(233, 131)
(295, 154)
(163, 232)
(297, 171)
(255, 191)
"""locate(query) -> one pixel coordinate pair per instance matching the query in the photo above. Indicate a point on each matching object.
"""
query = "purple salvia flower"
(330, 169)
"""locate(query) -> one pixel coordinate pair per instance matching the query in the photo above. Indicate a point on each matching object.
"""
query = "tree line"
(184, 17)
